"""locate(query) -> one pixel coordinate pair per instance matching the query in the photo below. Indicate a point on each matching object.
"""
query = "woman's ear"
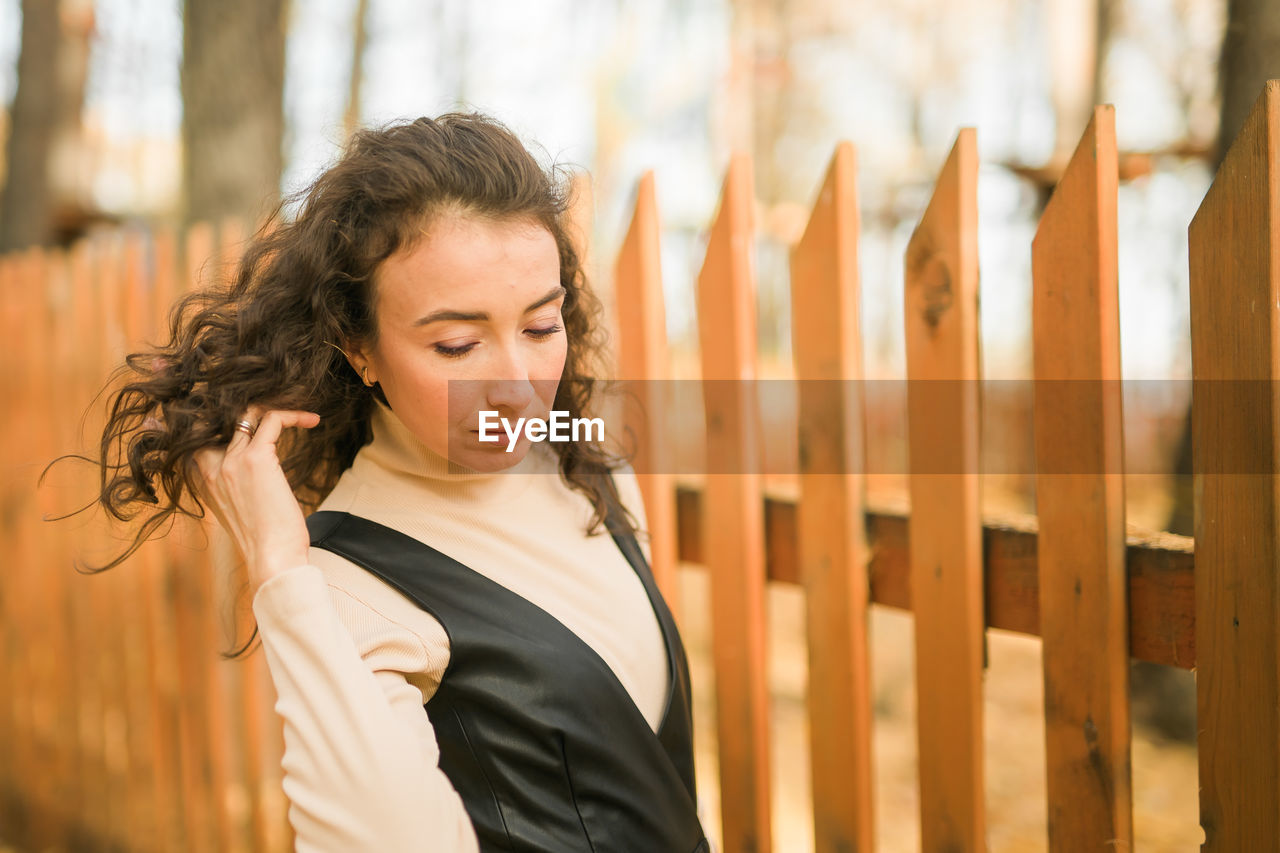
(362, 365)
(358, 360)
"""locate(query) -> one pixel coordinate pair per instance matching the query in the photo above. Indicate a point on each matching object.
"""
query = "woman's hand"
(247, 490)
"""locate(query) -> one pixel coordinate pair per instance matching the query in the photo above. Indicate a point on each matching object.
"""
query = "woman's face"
(468, 320)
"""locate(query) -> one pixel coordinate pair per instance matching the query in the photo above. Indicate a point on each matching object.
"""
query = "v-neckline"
(650, 591)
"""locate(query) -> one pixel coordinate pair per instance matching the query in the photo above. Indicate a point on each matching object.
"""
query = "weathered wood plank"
(733, 516)
(642, 363)
(943, 373)
(1079, 422)
(1235, 284)
(832, 549)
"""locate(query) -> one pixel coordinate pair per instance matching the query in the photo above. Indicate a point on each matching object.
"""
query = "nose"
(510, 388)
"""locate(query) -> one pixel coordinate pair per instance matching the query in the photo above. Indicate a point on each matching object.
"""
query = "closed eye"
(454, 352)
(545, 332)
(459, 351)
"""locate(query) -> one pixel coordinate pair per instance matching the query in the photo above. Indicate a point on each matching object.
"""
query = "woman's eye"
(544, 332)
(453, 352)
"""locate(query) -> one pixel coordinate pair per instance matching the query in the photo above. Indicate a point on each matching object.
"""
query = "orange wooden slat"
(733, 518)
(941, 312)
(117, 620)
(66, 303)
(203, 767)
(24, 571)
(79, 342)
(129, 721)
(1235, 287)
(58, 580)
(831, 542)
(1079, 429)
(46, 563)
(245, 724)
(157, 568)
(99, 323)
(642, 359)
(152, 796)
(12, 386)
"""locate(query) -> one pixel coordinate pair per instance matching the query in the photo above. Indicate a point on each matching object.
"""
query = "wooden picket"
(1080, 501)
(1235, 309)
(734, 517)
(642, 354)
(943, 375)
(832, 548)
(121, 727)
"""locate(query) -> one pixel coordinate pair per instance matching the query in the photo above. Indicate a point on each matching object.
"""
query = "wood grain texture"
(642, 363)
(1081, 546)
(1235, 288)
(831, 546)
(733, 518)
(941, 314)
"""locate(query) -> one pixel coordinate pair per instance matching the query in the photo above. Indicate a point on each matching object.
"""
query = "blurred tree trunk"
(1165, 698)
(44, 198)
(360, 39)
(1250, 56)
(233, 107)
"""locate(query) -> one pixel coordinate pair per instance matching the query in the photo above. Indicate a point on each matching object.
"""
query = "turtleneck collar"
(397, 450)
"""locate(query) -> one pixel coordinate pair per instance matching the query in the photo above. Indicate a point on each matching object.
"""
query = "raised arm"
(361, 761)
(361, 764)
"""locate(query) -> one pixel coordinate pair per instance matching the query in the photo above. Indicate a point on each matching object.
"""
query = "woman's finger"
(277, 420)
(241, 436)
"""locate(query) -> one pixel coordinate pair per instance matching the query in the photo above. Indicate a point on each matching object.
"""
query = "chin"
(489, 460)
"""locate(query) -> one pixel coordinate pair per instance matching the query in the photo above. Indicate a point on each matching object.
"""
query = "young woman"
(467, 643)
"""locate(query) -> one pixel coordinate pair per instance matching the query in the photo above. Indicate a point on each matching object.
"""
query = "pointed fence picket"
(734, 516)
(831, 547)
(943, 376)
(1235, 311)
(1080, 501)
(642, 354)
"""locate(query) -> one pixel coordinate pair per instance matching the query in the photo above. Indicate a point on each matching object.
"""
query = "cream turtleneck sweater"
(353, 659)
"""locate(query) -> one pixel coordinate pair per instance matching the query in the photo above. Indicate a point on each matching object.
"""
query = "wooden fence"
(121, 728)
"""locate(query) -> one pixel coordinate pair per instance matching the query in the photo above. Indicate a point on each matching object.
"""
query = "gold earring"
(364, 374)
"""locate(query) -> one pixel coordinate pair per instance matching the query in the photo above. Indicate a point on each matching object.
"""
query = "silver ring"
(246, 427)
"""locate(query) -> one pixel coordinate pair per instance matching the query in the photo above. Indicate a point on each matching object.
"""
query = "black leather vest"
(537, 734)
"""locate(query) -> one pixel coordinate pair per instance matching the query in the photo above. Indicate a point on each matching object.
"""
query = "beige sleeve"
(361, 762)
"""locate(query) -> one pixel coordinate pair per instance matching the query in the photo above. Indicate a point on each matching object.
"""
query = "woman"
(463, 662)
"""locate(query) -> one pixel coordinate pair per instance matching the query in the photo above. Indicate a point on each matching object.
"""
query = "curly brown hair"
(303, 288)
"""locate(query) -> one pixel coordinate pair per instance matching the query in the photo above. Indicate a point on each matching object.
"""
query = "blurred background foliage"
(123, 110)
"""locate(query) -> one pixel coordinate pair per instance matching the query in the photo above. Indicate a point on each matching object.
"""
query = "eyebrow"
(481, 316)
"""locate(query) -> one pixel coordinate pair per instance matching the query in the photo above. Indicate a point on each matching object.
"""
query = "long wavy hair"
(305, 287)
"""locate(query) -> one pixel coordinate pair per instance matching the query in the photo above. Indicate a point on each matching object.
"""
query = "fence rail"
(121, 727)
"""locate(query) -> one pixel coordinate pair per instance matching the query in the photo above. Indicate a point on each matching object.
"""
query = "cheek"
(549, 370)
